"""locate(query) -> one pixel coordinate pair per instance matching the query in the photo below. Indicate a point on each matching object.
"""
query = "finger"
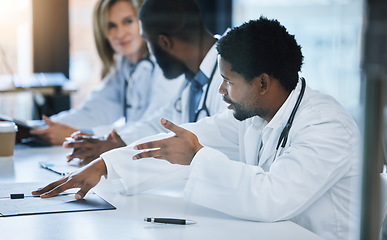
(83, 191)
(76, 133)
(86, 161)
(47, 120)
(39, 131)
(87, 138)
(85, 143)
(78, 144)
(49, 187)
(59, 189)
(150, 145)
(81, 135)
(115, 136)
(110, 136)
(70, 157)
(78, 153)
(171, 126)
(152, 153)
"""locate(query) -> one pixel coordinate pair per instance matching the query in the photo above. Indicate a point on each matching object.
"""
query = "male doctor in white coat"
(283, 152)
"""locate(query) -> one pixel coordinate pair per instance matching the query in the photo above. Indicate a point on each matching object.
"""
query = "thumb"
(111, 135)
(47, 120)
(114, 136)
(171, 126)
(82, 192)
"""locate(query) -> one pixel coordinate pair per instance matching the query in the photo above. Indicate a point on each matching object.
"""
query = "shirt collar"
(282, 115)
(209, 61)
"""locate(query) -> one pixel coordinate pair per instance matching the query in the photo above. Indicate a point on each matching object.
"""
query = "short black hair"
(262, 46)
(173, 18)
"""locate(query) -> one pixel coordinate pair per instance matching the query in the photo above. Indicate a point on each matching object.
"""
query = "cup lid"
(7, 126)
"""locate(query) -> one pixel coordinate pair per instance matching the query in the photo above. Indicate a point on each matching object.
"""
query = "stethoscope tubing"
(285, 132)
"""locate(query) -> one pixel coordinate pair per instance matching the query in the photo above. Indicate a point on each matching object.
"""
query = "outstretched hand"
(87, 148)
(54, 133)
(178, 149)
(85, 179)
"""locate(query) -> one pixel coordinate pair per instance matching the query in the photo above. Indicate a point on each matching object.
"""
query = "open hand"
(85, 178)
(88, 148)
(178, 149)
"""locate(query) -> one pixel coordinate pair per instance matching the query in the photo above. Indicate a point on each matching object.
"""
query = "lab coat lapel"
(252, 139)
(268, 151)
(272, 131)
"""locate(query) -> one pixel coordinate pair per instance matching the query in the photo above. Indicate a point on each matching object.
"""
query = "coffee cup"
(7, 138)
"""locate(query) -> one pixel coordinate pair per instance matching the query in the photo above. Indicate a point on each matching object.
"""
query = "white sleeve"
(220, 131)
(140, 175)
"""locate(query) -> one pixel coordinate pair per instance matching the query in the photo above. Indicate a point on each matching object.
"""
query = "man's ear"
(262, 83)
(165, 42)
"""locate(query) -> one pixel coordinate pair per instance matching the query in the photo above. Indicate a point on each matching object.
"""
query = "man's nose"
(222, 90)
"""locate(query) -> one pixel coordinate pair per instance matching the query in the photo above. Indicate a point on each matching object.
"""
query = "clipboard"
(30, 205)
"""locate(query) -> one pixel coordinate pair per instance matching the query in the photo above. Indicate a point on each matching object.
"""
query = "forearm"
(140, 175)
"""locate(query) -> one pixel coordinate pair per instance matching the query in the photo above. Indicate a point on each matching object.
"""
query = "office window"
(16, 38)
(85, 66)
(329, 32)
(15, 55)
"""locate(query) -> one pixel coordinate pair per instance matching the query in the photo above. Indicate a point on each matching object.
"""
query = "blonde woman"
(133, 84)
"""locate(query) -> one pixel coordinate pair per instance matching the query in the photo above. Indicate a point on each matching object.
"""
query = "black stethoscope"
(204, 105)
(285, 132)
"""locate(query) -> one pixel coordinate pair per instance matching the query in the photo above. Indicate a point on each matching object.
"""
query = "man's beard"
(242, 113)
(171, 66)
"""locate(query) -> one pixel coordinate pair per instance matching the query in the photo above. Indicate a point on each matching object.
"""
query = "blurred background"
(329, 32)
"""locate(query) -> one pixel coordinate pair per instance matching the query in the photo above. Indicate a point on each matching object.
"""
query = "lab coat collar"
(271, 132)
(209, 61)
(282, 115)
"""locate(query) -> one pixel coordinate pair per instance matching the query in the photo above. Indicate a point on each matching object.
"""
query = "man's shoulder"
(319, 108)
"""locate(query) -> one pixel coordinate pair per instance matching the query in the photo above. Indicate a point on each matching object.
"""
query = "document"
(26, 204)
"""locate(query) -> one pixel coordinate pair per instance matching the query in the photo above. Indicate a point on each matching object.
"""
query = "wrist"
(100, 166)
(197, 149)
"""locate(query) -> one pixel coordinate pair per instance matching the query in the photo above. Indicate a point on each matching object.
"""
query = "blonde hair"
(100, 28)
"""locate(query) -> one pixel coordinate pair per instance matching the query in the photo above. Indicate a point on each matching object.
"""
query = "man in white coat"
(283, 152)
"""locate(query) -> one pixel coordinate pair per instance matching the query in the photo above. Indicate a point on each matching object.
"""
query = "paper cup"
(7, 138)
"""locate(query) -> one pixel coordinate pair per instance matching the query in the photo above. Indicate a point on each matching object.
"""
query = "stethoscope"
(204, 105)
(128, 84)
(285, 132)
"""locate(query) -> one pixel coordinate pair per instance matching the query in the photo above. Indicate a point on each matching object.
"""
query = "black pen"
(169, 221)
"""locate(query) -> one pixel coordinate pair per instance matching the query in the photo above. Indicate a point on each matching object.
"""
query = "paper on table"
(37, 204)
(65, 202)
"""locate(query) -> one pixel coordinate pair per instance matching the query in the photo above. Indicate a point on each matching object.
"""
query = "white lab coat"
(177, 109)
(311, 182)
(105, 105)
